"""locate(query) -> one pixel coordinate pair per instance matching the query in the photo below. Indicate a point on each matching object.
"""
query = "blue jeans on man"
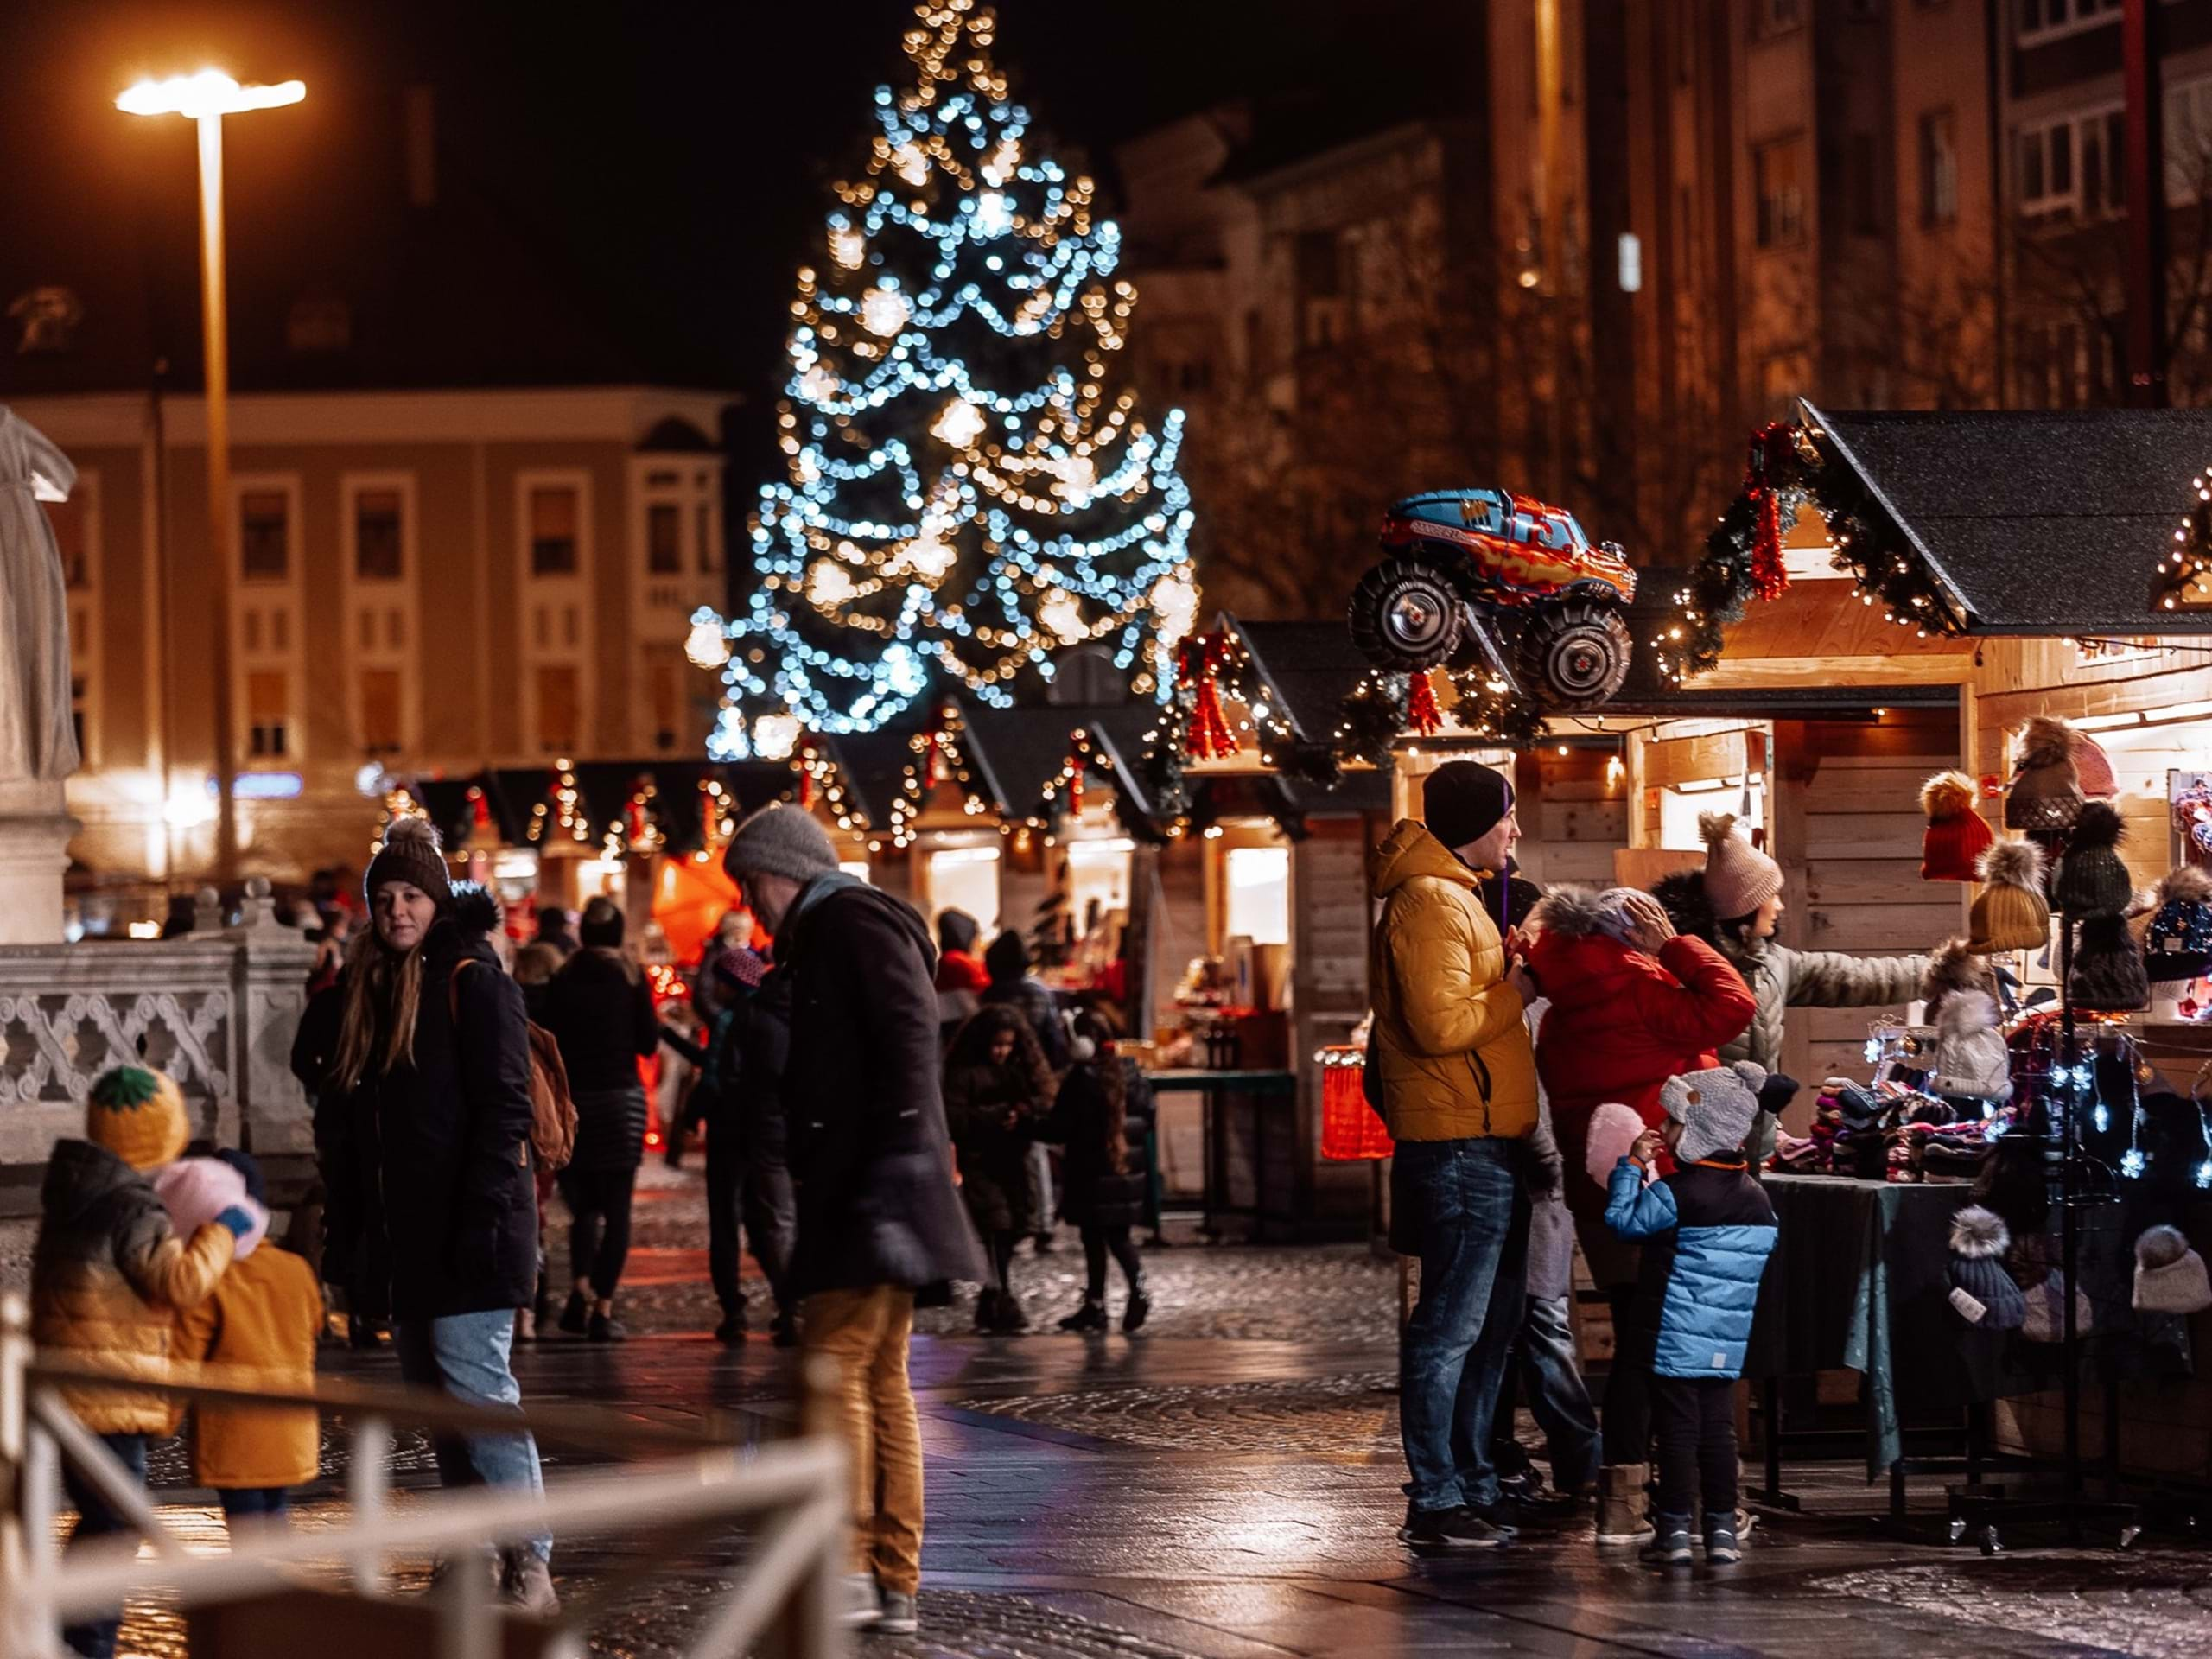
(94, 1638)
(1462, 1205)
(1550, 1383)
(465, 1356)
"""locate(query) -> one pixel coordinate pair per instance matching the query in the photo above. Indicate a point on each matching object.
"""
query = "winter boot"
(1010, 1318)
(1139, 1308)
(1621, 1516)
(1670, 1546)
(1091, 1316)
(986, 1311)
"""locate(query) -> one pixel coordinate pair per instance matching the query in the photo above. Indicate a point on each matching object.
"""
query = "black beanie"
(1463, 801)
(602, 923)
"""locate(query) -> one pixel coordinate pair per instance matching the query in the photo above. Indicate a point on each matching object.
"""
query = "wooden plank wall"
(1328, 992)
(1847, 830)
(1573, 815)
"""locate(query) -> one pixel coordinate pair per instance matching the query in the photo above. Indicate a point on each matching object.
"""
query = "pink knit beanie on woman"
(1738, 877)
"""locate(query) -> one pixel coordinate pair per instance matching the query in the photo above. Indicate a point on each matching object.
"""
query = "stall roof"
(1312, 667)
(873, 765)
(2040, 524)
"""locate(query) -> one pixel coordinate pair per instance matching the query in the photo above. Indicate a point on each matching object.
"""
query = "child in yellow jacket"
(257, 1330)
(109, 1276)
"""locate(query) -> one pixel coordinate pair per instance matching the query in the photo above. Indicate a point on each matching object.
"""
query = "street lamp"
(205, 99)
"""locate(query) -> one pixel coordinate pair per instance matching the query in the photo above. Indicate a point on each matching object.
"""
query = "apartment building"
(421, 581)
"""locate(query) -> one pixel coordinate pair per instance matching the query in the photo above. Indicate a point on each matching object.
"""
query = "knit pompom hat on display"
(2046, 788)
(411, 853)
(1613, 1129)
(1952, 967)
(1982, 1292)
(2093, 766)
(137, 1114)
(2179, 942)
(1716, 1108)
(1957, 835)
(1738, 877)
(2009, 913)
(2170, 1276)
(2092, 878)
(2108, 975)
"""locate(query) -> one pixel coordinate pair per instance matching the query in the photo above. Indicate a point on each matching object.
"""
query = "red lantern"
(1351, 1130)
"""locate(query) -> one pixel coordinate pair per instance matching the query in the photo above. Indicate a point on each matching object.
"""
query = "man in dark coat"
(878, 1212)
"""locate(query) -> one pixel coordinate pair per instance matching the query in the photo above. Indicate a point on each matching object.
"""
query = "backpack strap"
(453, 990)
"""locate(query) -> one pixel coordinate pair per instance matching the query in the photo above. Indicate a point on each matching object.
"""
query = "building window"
(1776, 16)
(67, 519)
(2042, 19)
(1864, 182)
(268, 712)
(558, 703)
(2188, 141)
(379, 536)
(1939, 167)
(2076, 165)
(381, 696)
(665, 538)
(665, 686)
(265, 535)
(1258, 905)
(1777, 172)
(553, 516)
(709, 557)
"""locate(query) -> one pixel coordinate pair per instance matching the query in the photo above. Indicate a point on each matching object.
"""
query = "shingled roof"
(2037, 524)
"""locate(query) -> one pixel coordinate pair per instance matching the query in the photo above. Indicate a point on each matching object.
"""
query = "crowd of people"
(1582, 1068)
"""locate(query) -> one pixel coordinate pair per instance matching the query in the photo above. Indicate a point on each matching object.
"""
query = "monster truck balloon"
(1488, 576)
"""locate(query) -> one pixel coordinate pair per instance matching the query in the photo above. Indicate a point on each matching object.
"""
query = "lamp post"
(205, 99)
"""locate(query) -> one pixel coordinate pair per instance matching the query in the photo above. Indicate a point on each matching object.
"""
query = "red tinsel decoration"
(805, 789)
(1770, 580)
(1421, 713)
(1075, 782)
(1199, 666)
(479, 810)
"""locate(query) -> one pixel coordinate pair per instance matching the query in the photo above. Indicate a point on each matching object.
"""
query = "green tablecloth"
(1859, 1281)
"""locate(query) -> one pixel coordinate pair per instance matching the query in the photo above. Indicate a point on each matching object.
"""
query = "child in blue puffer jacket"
(1707, 1230)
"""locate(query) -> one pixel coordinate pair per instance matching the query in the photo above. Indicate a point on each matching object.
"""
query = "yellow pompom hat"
(137, 1114)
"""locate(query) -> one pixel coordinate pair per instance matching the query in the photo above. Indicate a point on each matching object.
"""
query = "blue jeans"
(1543, 1358)
(465, 1356)
(1463, 1204)
(95, 1637)
(255, 1503)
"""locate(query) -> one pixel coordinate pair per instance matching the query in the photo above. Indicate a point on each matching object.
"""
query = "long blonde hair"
(379, 983)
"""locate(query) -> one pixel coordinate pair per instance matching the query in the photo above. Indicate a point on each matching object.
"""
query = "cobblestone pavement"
(1225, 1485)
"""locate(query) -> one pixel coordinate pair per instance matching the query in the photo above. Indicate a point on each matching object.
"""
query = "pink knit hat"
(1738, 878)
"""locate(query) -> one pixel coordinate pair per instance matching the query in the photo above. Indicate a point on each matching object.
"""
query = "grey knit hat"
(1982, 1292)
(411, 853)
(1715, 1108)
(780, 840)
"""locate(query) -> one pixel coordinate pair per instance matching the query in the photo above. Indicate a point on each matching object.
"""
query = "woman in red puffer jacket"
(1631, 1004)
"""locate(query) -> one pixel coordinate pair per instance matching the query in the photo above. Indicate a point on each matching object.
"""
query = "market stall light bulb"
(706, 646)
(209, 92)
(911, 164)
(848, 246)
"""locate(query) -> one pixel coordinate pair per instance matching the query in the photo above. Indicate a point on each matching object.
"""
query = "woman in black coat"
(424, 1102)
(601, 1012)
(1100, 1117)
(998, 1090)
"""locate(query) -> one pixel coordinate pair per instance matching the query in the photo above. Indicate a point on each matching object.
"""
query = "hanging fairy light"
(774, 736)
(958, 491)
(706, 646)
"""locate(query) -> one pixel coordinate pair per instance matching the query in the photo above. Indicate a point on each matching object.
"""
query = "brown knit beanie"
(411, 853)
(1738, 877)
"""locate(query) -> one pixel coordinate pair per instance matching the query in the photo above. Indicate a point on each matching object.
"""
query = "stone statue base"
(35, 830)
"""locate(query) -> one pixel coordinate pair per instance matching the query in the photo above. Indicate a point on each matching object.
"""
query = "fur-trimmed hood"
(1681, 895)
(475, 910)
(1979, 1234)
(1574, 914)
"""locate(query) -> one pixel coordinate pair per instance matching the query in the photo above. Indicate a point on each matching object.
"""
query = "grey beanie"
(1715, 1108)
(1982, 1292)
(780, 840)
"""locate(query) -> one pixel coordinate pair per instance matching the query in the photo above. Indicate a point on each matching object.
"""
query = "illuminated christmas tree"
(966, 493)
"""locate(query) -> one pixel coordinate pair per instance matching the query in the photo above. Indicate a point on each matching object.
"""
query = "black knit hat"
(2091, 877)
(1984, 1294)
(1463, 800)
(602, 924)
(411, 853)
(2108, 974)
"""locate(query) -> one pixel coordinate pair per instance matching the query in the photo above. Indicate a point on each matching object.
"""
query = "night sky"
(662, 163)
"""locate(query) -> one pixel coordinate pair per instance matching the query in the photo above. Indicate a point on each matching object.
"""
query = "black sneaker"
(731, 1332)
(1670, 1543)
(575, 1318)
(1457, 1527)
(1010, 1318)
(1532, 1501)
(1504, 1514)
(605, 1328)
(986, 1311)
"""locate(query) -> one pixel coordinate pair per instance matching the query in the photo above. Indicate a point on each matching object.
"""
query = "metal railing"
(785, 1597)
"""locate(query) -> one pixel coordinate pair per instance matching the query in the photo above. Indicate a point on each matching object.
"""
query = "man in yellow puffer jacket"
(108, 1276)
(1457, 1079)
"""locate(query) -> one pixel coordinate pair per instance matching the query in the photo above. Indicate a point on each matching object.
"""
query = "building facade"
(424, 581)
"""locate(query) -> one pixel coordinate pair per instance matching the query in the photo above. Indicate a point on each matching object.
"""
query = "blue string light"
(965, 496)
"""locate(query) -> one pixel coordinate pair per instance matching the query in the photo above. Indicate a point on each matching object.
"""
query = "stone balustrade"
(215, 1009)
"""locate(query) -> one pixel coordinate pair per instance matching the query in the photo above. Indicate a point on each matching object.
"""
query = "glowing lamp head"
(774, 736)
(209, 92)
